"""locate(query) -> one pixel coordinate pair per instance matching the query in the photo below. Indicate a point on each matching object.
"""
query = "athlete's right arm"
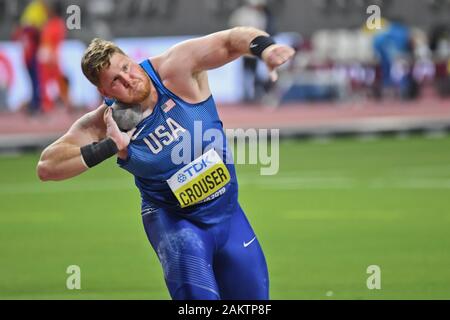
(62, 159)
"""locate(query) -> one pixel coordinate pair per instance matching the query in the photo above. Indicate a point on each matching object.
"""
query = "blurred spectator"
(440, 46)
(254, 13)
(28, 34)
(53, 82)
(393, 46)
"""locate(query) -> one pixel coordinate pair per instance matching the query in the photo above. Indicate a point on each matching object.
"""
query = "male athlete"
(190, 211)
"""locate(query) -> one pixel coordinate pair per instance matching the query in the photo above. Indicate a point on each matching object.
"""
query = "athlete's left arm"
(191, 58)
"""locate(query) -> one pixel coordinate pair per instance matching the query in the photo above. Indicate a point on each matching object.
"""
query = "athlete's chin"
(134, 97)
(139, 98)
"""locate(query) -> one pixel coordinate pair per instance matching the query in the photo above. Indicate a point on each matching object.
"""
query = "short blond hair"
(96, 57)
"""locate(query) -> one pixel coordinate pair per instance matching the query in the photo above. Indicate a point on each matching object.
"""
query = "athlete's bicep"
(62, 159)
(88, 129)
(205, 53)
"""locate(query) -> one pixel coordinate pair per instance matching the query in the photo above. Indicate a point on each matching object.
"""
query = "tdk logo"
(197, 167)
(181, 178)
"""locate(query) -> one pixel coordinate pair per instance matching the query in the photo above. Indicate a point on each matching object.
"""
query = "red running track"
(257, 116)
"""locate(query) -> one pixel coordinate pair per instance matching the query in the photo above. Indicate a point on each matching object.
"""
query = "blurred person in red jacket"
(54, 83)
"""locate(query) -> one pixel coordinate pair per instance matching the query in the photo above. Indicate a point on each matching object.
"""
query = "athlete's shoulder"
(190, 87)
(159, 65)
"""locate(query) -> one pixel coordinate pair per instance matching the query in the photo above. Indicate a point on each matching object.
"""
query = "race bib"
(200, 179)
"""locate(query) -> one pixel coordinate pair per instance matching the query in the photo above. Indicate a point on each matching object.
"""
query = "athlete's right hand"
(122, 139)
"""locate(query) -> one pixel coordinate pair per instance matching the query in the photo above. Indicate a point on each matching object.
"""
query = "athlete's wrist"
(95, 153)
(121, 139)
(259, 44)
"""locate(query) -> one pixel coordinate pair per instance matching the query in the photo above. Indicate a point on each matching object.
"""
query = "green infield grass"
(334, 209)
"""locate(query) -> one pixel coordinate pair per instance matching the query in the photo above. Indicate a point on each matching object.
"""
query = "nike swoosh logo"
(253, 45)
(137, 134)
(246, 244)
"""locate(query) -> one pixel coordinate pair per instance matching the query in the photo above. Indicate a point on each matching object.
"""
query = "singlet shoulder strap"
(154, 76)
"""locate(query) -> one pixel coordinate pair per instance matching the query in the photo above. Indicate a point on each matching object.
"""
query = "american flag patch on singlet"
(168, 105)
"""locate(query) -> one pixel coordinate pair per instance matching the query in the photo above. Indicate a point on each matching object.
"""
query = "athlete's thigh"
(240, 266)
(185, 252)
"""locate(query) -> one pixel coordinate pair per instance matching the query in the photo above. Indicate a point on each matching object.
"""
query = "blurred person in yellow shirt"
(28, 34)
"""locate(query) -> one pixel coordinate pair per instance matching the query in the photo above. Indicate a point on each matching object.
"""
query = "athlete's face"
(124, 80)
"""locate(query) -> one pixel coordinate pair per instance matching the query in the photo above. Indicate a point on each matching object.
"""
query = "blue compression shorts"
(221, 261)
